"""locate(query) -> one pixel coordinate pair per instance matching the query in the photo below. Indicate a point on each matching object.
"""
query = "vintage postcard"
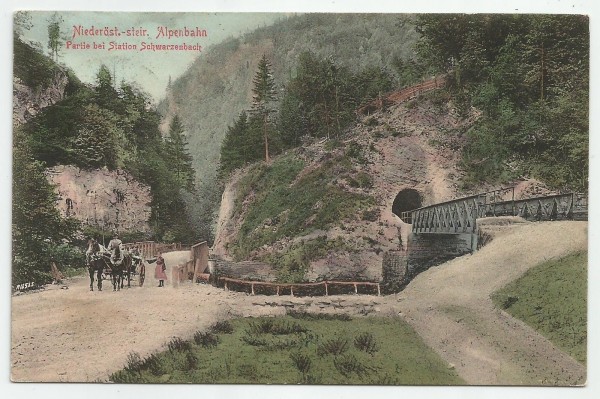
(300, 198)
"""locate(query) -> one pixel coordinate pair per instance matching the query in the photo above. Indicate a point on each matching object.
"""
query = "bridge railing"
(455, 216)
(459, 215)
(551, 207)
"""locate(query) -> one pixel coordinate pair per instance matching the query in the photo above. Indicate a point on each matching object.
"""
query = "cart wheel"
(142, 275)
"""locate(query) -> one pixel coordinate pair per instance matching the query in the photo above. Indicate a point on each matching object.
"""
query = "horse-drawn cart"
(138, 268)
(117, 265)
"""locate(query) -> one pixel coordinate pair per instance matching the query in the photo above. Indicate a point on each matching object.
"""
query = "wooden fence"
(149, 249)
(318, 288)
(403, 95)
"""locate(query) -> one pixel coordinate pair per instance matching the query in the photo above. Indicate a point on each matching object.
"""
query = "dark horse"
(96, 262)
(128, 267)
(122, 265)
(117, 266)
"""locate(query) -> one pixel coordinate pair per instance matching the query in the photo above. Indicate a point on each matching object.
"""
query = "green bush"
(253, 339)
(134, 362)
(191, 362)
(155, 364)
(371, 215)
(67, 257)
(366, 343)
(248, 371)
(364, 180)
(206, 339)
(354, 150)
(222, 327)
(301, 361)
(333, 144)
(348, 363)
(334, 346)
(371, 121)
(178, 345)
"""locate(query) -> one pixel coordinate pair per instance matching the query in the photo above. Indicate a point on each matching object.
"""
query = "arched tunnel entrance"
(406, 200)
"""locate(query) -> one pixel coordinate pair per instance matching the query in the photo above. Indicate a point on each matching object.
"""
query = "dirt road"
(77, 335)
(450, 307)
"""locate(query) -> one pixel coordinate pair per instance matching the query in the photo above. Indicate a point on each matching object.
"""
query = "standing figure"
(114, 243)
(160, 271)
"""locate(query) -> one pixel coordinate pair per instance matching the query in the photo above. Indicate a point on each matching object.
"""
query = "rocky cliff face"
(102, 198)
(27, 102)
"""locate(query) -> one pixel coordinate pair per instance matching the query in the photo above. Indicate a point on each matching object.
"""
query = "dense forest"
(319, 102)
(527, 75)
(94, 126)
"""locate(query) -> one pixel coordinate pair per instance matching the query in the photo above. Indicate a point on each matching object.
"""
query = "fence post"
(513, 201)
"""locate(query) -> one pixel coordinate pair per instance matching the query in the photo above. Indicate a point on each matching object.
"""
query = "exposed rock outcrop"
(27, 101)
(102, 198)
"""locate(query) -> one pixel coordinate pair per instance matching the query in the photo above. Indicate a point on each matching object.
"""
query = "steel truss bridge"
(460, 215)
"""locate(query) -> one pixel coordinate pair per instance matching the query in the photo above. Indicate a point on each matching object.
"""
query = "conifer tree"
(264, 95)
(37, 227)
(105, 91)
(55, 36)
(180, 158)
(21, 23)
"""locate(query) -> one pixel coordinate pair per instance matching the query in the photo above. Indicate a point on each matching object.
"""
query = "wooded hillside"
(212, 94)
(529, 75)
(96, 126)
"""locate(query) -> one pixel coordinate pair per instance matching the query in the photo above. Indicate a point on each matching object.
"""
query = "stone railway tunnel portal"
(406, 200)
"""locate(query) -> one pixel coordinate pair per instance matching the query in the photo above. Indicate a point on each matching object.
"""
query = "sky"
(150, 69)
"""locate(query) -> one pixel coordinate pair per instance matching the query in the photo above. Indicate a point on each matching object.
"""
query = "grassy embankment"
(298, 348)
(552, 298)
(282, 204)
